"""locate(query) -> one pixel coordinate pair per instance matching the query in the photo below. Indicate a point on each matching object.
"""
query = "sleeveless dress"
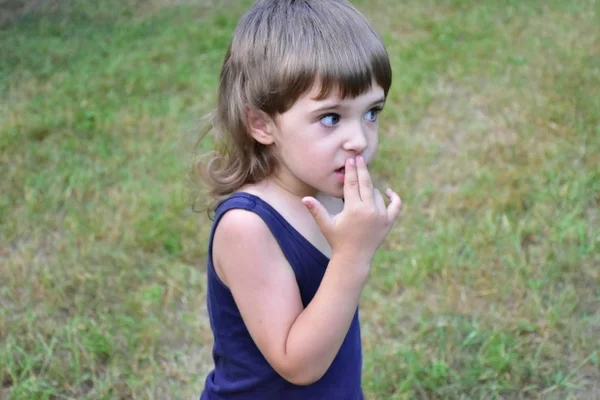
(240, 370)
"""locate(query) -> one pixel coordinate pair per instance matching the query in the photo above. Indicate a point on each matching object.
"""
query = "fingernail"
(352, 161)
(361, 158)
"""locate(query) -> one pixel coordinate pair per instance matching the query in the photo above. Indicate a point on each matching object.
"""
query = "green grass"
(489, 287)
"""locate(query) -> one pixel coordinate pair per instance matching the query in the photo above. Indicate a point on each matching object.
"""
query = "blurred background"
(488, 288)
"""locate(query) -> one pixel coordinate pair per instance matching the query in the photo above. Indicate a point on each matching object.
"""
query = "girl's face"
(314, 138)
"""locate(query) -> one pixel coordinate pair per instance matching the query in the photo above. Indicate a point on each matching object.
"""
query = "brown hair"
(278, 51)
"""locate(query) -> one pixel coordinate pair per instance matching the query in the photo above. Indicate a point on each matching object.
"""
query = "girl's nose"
(356, 141)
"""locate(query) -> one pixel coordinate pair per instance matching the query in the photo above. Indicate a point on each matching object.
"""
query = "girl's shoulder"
(241, 236)
(255, 212)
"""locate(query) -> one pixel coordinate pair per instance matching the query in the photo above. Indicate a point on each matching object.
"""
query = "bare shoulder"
(243, 239)
(240, 224)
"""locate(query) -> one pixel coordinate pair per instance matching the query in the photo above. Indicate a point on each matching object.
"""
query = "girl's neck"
(289, 190)
(275, 191)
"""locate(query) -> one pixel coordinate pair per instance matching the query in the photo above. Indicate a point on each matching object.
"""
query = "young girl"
(297, 219)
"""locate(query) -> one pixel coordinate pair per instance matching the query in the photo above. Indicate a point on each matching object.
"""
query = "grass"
(489, 288)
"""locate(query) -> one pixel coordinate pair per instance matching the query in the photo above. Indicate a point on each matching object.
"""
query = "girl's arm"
(301, 343)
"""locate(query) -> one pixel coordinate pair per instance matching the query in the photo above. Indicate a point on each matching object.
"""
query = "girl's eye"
(330, 120)
(373, 114)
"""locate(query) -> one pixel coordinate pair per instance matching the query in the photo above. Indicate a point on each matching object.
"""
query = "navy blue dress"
(241, 372)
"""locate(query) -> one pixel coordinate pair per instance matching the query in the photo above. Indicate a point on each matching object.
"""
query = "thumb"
(319, 213)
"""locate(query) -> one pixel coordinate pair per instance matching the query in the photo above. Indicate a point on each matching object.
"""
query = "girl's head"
(280, 51)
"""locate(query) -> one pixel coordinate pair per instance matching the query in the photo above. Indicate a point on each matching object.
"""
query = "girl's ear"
(261, 126)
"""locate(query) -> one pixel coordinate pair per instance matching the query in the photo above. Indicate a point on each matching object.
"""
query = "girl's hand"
(364, 222)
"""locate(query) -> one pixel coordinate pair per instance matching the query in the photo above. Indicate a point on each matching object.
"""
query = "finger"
(395, 205)
(379, 202)
(319, 213)
(365, 184)
(351, 191)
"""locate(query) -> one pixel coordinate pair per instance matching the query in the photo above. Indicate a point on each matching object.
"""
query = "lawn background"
(488, 288)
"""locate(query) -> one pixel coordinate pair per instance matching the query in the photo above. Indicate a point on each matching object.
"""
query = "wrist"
(351, 264)
(353, 256)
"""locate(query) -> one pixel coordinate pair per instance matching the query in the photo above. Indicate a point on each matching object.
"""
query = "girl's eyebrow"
(340, 106)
